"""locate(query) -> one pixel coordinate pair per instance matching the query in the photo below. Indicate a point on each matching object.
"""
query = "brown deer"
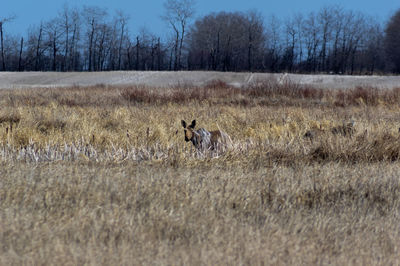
(203, 139)
(346, 130)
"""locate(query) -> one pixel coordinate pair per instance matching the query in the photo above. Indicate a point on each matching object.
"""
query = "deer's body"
(346, 130)
(203, 139)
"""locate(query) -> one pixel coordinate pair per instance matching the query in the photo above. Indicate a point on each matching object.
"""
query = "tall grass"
(102, 175)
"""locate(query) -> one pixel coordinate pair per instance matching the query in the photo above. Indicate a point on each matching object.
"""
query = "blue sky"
(146, 13)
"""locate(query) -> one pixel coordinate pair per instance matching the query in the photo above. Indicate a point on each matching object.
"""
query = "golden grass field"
(102, 175)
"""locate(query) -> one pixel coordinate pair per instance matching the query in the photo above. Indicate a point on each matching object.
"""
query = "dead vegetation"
(102, 175)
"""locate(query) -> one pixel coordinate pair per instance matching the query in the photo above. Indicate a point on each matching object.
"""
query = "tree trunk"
(54, 51)
(159, 55)
(176, 51)
(65, 67)
(218, 51)
(120, 46)
(20, 55)
(37, 62)
(249, 52)
(153, 49)
(72, 50)
(137, 52)
(128, 52)
(2, 48)
(180, 47)
(170, 60)
(91, 45)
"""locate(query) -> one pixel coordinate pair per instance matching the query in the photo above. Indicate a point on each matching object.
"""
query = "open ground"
(101, 175)
(167, 79)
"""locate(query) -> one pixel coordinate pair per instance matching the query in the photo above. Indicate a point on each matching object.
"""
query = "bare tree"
(312, 41)
(11, 48)
(94, 17)
(256, 37)
(137, 52)
(227, 42)
(299, 21)
(20, 54)
(337, 29)
(177, 15)
(147, 50)
(325, 20)
(73, 47)
(392, 41)
(329, 40)
(54, 32)
(373, 53)
(289, 56)
(68, 20)
(273, 43)
(2, 22)
(121, 21)
(38, 48)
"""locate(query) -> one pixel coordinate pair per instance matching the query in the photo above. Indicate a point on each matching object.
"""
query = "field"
(102, 175)
(166, 79)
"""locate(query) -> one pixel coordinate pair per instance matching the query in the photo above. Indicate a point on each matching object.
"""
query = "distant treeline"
(331, 40)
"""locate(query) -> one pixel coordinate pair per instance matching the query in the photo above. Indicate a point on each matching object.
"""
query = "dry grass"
(102, 175)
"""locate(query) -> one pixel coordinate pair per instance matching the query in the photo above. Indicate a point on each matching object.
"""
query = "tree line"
(330, 40)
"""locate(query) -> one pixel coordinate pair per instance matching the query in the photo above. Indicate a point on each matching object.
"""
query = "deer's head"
(189, 130)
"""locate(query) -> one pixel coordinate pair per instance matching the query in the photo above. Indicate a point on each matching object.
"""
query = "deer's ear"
(193, 124)
(183, 123)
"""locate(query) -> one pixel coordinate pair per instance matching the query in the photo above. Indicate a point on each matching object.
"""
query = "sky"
(146, 13)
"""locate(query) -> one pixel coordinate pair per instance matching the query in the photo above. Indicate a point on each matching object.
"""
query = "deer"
(203, 139)
(346, 130)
